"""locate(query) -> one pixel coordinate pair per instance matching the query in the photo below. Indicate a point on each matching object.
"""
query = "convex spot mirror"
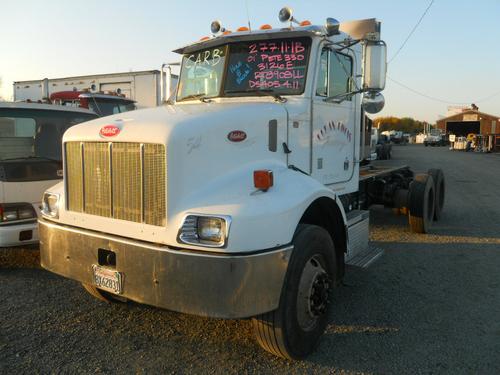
(373, 102)
(375, 68)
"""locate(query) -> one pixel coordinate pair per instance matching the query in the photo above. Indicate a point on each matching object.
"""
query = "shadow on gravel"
(429, 308)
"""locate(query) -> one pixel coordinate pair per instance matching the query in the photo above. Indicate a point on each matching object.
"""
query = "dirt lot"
(431, 304)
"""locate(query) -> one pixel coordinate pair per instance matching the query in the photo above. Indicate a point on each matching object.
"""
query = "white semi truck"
(245, 198)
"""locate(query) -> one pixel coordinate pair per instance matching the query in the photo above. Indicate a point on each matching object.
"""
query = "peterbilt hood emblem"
(237, 136)
(109, 131)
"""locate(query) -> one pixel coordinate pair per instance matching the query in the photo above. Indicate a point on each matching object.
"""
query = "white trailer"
(245, 198)
(147, 88)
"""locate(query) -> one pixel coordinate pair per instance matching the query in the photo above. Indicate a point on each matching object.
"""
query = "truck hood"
(24, 192)
(205, 142)
(155, 125)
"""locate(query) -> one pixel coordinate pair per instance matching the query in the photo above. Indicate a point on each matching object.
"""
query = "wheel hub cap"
(312, 298)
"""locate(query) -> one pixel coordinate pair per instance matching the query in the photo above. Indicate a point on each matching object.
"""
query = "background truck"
(435, 138)
(248, 196)
(30, 162)
(103, 104)
(147, 88)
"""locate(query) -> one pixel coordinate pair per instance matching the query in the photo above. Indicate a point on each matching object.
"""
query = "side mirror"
(375, 68)
(373, 102)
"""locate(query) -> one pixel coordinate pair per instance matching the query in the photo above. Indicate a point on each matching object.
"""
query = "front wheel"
(294, 329)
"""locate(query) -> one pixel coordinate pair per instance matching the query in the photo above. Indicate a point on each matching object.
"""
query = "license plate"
(107, 279)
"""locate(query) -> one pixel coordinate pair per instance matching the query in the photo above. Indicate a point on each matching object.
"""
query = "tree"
(405, 124)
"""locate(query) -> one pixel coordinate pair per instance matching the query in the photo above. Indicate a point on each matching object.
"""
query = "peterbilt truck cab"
(237, 200)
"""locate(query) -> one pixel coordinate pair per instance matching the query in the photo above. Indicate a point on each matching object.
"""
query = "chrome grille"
(120, 180)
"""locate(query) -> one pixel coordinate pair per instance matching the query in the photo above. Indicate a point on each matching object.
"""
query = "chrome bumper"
(222, 286)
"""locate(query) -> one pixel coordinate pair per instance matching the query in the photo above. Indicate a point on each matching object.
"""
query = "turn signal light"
(263, 179)
(266, 26)
(243, 28)
(305, 23)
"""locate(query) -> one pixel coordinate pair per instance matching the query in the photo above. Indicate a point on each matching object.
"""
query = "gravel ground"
(431, 304)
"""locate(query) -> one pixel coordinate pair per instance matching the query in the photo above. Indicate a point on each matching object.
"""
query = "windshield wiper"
(264, 92)
(31, 157)
(202, 97)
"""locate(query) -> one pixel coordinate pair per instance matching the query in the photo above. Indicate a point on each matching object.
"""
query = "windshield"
(201, 73)
(32, 133)
(107, 107)
(246, 68)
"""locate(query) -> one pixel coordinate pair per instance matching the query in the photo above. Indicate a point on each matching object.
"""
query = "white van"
(30, 162)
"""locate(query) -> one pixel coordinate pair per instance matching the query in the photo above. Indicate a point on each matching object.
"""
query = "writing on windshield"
(277, 64)
(201, 73)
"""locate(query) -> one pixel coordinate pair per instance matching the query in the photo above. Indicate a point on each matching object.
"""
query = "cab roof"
(357, 30)
(312, 30)
(44, 107)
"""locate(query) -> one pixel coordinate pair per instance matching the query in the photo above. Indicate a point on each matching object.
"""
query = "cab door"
(333, 143)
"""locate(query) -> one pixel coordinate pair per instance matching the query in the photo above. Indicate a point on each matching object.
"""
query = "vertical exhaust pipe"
(166, 81)
(45, 89)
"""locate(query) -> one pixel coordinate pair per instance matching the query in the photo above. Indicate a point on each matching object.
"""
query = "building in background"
(469, 120)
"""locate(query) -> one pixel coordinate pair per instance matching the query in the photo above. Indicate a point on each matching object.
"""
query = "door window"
(335, 71)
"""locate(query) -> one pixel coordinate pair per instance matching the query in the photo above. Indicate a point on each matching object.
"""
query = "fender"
(260, 220)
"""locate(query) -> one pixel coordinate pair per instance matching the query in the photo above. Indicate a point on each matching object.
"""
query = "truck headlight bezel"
(205, 230)
(50, 205)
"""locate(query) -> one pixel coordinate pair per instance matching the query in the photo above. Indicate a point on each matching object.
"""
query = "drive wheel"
(439, 189)
(102, 295)
(294, 329)
(421, 203)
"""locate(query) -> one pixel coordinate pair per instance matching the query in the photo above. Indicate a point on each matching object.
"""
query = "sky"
(452, 58)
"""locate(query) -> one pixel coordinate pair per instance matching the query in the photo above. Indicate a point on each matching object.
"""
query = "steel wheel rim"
(313, 293)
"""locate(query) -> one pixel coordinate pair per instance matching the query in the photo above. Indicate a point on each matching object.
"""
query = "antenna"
(248, 16)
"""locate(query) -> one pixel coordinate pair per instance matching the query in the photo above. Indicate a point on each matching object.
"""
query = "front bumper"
(18, 234)
(205, 284)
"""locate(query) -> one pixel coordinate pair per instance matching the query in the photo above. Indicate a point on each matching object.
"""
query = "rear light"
(263, 179)
(10, 212)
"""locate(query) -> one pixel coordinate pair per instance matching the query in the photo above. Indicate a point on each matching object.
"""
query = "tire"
(425, 144)
(102, 295)
(381, 154)
(421, 203)
(293, 330)
(439, 189)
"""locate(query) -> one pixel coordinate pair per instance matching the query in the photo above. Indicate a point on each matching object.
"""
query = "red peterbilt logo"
(109, 131)
(237, 136)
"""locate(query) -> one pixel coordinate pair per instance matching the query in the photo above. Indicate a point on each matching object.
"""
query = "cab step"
(365, 259)
(359, 252)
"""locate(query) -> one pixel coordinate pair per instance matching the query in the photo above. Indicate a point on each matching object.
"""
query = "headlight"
(16, 211)
(211, 231)
(50, 205)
